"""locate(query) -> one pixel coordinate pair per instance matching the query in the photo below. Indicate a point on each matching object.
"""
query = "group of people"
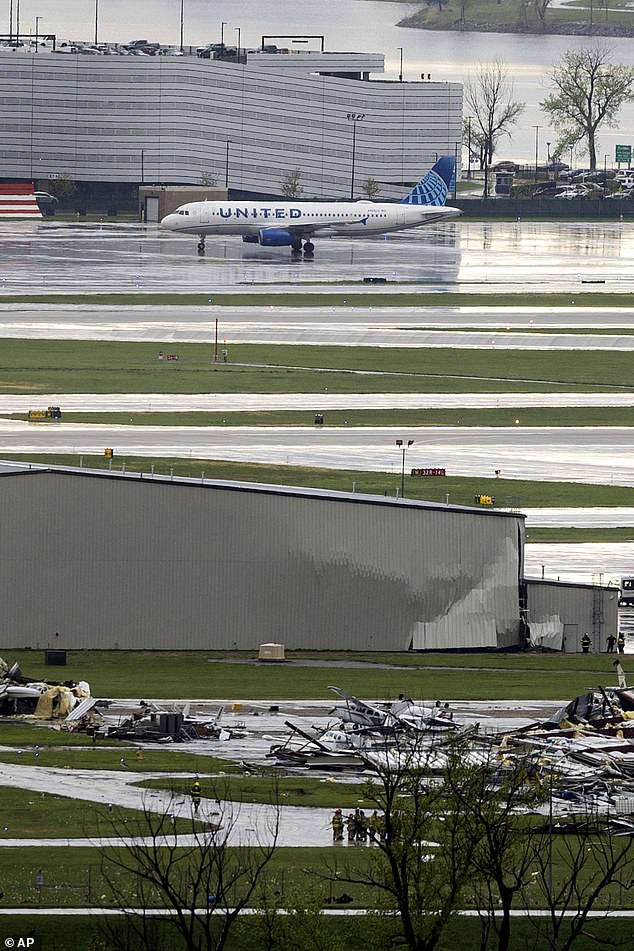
(358, 826)
(611, 643)
(618, 641)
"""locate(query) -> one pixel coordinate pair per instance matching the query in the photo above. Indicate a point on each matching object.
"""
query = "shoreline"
(551, 29)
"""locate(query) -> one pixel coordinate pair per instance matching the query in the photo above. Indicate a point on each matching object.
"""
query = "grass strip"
(607, 536)
(85, 366)
(519, 416)
(397, 298)
(118, 367)
(218, 675)
(508, 493)
(28, 814)
(152, 758)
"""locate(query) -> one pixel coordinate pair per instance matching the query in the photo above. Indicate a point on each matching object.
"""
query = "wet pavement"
(54, 256)
(583, 454)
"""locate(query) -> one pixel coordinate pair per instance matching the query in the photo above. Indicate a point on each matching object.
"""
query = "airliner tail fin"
(434, 187)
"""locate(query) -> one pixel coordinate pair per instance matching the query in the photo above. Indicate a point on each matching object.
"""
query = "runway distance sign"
(428, 472)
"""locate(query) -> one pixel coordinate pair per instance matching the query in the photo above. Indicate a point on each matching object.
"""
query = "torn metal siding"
(579, 608)
(124, 563)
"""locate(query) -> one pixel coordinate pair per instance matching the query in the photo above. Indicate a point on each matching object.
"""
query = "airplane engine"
(275, 237)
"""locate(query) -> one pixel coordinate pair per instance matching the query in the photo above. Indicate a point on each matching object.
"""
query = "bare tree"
(290, 185)
(597, 860)
(588, 92)
(541, 6)
(422, 858)
(198, 875)
(489, 98)
(503, 850)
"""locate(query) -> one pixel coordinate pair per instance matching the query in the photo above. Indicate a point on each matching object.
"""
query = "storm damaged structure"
(111, 560)
(41, 699)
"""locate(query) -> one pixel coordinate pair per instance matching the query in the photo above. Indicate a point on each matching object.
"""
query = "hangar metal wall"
(120, 562)
(573, 609)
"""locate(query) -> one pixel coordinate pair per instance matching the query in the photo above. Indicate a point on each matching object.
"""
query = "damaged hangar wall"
(124, 562)
(560, 613)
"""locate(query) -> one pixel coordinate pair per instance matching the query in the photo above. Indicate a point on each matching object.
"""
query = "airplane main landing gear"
(201, 245)
(309, 249)
(296, 247)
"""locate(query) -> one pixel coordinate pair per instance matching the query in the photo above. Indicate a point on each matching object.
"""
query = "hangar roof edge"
(11, 468)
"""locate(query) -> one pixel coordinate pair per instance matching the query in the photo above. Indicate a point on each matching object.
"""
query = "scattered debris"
(22, 696)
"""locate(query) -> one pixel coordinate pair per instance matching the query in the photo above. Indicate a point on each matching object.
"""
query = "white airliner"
(294, 223)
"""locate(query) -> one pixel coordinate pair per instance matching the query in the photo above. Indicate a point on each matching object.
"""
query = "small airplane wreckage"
(364, 734)
(22, 696)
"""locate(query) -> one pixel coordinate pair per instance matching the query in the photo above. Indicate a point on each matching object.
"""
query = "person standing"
(620, 643)
(585, 643)
(195, 795)
(337, 826)
(610, 643)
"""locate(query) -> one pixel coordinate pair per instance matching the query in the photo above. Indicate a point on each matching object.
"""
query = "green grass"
(607, 536)
(511, 16)
(27, 814)
(152, 758)
(70, 366)
(293, 791)
(209, 675)
(510, 493)
(71, 933)
(391, 298)
(520, 416)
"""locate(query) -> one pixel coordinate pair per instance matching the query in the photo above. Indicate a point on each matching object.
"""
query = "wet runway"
(59, 256)
(310, 402)
(543, 328)
(582, 454)
(581, 563)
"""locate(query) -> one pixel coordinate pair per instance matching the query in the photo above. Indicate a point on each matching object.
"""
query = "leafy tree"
(290, 185)
(208, 179)
(588, 92)
(62, 186)
(370, 188)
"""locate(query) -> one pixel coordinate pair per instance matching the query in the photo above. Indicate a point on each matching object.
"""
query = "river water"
(368, 25)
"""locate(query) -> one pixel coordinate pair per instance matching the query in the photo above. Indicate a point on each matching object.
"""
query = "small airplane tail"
(434, 187)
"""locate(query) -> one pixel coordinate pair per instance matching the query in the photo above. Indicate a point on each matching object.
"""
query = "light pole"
(96, 21)
(400, 73)
(37, 29)
(354, 117)
(403, 447)
(17, 23)
(227, 164)
(537, 128)
(469, 146)
(222, 39)
(238, 32)
(142, 165)
(182, 21)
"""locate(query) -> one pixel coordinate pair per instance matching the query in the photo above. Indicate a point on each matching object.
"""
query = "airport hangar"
(93, 559)
(125, 120)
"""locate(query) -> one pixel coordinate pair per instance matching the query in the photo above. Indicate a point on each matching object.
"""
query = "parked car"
(547, 190)
(623, 193)
(506, 167)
